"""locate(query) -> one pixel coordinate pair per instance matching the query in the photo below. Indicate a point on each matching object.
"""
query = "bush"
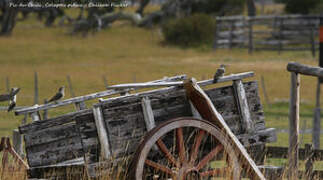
(190, 31)
(300, 6)
(218, 7)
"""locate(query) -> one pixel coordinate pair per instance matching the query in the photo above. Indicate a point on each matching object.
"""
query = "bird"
(219, 73)
(59, 95)
(12, 103)
(13, 98)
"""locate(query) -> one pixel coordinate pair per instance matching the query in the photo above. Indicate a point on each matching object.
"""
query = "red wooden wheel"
(185, 148)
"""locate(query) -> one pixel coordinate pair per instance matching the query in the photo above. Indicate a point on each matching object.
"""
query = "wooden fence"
(307, 154)
(276, 33)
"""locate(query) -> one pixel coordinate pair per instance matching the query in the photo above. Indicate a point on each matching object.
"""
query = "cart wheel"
(185, 148)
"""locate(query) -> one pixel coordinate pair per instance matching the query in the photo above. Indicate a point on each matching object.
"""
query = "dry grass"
(122, 52)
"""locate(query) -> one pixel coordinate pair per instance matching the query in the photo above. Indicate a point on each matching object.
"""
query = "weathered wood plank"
(50, 134)
(102, 132)
(88, 97)
(247, 123)
(54, 152)
(180, 83)
(67, 118)
(305, 69)
(293, 126)
(148, 113)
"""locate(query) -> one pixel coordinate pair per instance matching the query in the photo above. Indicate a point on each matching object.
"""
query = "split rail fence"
(275, 33)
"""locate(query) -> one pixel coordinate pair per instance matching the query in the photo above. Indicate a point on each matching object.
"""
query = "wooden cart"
(179, 132)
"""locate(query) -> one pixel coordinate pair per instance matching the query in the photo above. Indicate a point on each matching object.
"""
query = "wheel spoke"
(159, 167)
(197, 143)
(209, 156)
(180, 145)
(214, 172)
(167, 153)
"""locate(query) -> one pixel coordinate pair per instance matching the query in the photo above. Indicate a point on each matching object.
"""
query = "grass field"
(125, 54)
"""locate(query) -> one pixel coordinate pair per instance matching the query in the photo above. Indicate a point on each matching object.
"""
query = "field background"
(123, 54)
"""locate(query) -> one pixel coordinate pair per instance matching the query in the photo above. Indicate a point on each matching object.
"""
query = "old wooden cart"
(160, 130)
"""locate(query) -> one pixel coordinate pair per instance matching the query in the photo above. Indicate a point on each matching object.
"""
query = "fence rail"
(277, 33)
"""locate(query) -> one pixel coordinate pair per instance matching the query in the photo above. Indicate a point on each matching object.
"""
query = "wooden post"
(148, 113)
(17, 142)
(250, 43)
(102, 132)
(264, 90)
(317, 118)
(70, 86)
(281, 23)
(45, 112)
(321, 45)
(35, 116)
(24, 120)
(241, 98)
(79, 105)
(216, 31)
(105, 82)
(36, 88)
(293, 127)
(231, 34)
(309, 153)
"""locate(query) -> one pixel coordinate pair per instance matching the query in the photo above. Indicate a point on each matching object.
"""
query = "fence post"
(215, 43)
(317, 119)
(280, 34)
(231, 33)
(250, 43)
(265, 90)
(36, 88)
(309, 161)
(317, 111)
(45, 112)
(105, 81)
(293, 126)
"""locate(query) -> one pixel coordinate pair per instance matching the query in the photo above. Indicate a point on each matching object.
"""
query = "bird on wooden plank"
(13, 98)
(219, 73)
(59, 95)
(12, 103)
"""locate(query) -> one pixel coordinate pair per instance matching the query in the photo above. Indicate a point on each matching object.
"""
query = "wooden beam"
(309, 153)
(207, 110)
(180, 83)
(241, 98)
(36, 89)
(305, 69)
(87, 97)
(195, 112)
(317, 118)
(293, 126)
(148, 113)
(35, 116)
(102, 132)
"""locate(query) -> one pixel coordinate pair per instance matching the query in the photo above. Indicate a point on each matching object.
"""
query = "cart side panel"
(125, 121)
(53, 140)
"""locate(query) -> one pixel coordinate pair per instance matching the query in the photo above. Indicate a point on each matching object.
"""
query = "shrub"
(190, 31)
(218, 7)
(300, 6)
